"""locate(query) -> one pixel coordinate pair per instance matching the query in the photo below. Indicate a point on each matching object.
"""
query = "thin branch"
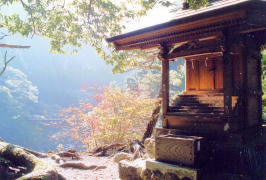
(29, 10)
(63, 5)
(13, 46)
(6, 62)
(3, 35)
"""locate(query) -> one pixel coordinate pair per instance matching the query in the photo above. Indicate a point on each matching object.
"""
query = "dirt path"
(110, 172)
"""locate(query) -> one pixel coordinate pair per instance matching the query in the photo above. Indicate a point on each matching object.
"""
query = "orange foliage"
(119, 115)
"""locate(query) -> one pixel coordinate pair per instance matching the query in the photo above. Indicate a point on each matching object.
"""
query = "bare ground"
(107, 168)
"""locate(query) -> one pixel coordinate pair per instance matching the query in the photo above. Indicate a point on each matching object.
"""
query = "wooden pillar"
(228, 74)
(253, 88)
(165, 81)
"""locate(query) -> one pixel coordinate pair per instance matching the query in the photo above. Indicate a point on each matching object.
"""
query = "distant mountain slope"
(58, 79)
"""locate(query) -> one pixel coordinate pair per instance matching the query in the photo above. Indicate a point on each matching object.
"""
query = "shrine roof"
(225, 12)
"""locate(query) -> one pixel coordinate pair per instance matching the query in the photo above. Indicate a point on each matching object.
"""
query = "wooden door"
(192, 75)
(206, 75)
(219, 73)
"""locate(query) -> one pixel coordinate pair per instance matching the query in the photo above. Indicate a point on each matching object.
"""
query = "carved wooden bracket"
(164, 50)
(197, 48)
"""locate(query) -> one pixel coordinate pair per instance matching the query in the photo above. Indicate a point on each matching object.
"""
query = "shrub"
(119, 115)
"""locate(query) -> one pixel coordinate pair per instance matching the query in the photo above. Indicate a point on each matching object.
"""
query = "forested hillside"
(37, 84)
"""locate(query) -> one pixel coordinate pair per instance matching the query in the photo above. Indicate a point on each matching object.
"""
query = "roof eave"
(194, 17)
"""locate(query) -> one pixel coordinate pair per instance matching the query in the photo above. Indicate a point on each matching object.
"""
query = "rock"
(162, 170)
(2, 140)
(121, 156)
(149, 145)
(35, 153)
(35, 168)
(129, 170)
(157, 175)
(170, 176)
(72, 151)
(69, 155)
(56, 158)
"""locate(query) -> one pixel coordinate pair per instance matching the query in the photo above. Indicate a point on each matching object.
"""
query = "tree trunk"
(154, 118)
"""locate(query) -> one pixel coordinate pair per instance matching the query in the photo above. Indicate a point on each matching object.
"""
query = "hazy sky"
(155, 16)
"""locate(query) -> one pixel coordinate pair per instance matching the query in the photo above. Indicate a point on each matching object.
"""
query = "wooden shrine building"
(217, 122)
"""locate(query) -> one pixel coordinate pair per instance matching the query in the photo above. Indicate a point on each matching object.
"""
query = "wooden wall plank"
(219, 73)
(206, 75)
(192, 75)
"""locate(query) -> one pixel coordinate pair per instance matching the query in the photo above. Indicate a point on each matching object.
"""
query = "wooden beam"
(196, 53)
(201, 124)
(196, 48)
(201, 57)
(170, 39)
(165, 81)
(252, 29)
(181, 32)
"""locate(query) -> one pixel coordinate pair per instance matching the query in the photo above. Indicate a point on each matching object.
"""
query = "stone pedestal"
(131, 170)
(230, 160)
(169, 171)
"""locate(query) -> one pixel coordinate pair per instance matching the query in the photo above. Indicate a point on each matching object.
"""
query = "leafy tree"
(195, 4)
(150, 80)
(71, 24)
(264, 81)
(264, 63)
(119, 115)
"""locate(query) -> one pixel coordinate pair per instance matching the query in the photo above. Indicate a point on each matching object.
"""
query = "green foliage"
(72, 24)
(264, 63)
(195, 4)
(264, 82)
(150, 80)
